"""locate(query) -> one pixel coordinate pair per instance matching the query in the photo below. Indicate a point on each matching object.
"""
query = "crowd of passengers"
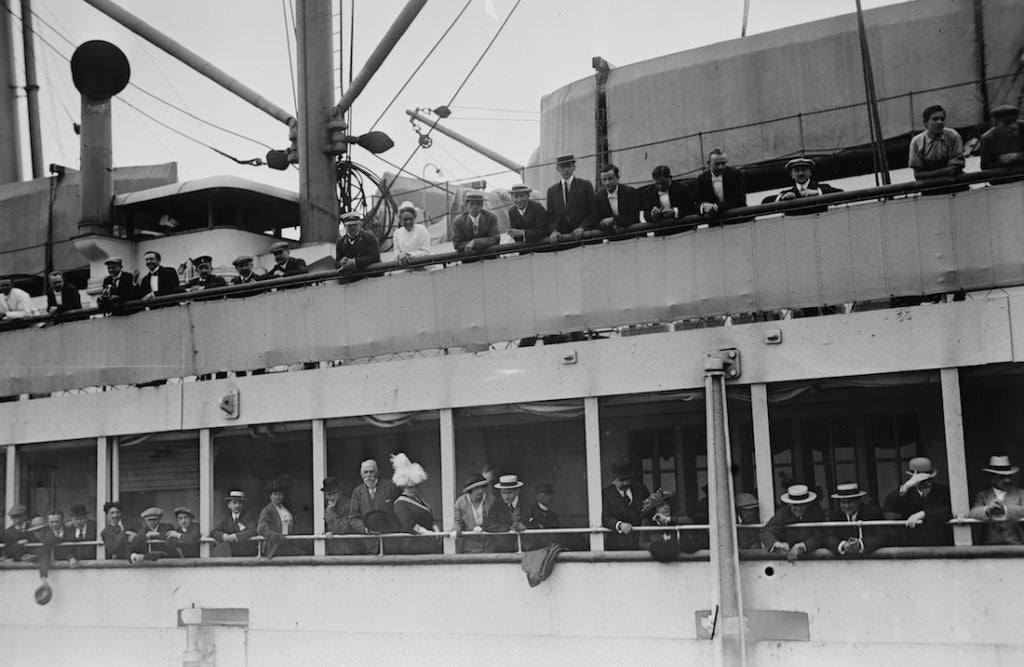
(491, 515)
(574, 212)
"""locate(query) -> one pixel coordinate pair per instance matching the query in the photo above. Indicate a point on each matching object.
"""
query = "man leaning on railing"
(1001, 506)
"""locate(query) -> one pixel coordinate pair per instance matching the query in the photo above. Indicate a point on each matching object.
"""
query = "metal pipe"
(869, 83)
(190, 58)
(10, 137)
(31, 88)
(97, 184)
(380, 54)
(508, 163)
(601, 71)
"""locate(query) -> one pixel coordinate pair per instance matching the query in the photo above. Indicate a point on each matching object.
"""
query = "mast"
(10, 141)
(881, 162)
(31, 88)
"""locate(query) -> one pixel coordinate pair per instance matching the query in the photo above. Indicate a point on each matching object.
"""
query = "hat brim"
(849, 496)
(1012, 471)
(507, 487)
(475, 485)
(931, 474)
(235, 498)
(811, 497)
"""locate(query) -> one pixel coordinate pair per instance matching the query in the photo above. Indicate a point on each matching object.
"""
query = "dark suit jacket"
(629, 208)
(82, 552)
(499, 519)
(812, 184)
(228, 526)
(186, 546)
(733, 188)
(487, 234)
(785, 527)
(360, 505)
(365, 249)
(873, 538)
(293, 267)
(116, 291)
(614, 509)
(115, 541)
(533, 220)
(209, 283)
(140, 545)
(576, 211)
(937, 511)
(167, 279)
(678, 195)
(70, 296)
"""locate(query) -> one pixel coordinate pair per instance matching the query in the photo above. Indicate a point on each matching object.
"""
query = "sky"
(545, 45)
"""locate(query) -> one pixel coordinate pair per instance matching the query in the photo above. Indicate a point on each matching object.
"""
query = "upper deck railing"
(871, 245)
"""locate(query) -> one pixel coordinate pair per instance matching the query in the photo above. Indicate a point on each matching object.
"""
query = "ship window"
(158, 470)
(865, 429)
(57, 475)
(543, 442)
(251, 458)
(665, 436)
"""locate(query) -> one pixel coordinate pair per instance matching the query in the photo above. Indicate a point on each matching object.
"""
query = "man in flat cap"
(783, 534)
(118, 285)
(665, 199)
(246, 274)
(801, 170)
(476, 230)
(720, 187)
(284, 264)
(937, 152)
(570, 202)
(620, 508)
(1002, 145)
(1002, 505)
(183, 540)
(150, 543)
(16, 535)
(616, 205)
(357, 248)
(82, 529)
(855, 541)
(158, 281)
(236, 528)
(206, 278)
(925, 506)
(61, 296)
(527, 219)
(410, 240)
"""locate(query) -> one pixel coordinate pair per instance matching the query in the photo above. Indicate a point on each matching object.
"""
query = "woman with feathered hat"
(413, 513)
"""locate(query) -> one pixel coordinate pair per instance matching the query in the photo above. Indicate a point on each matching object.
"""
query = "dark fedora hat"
(622, 470)
(331, 484)
(379, 521)
(43, 594)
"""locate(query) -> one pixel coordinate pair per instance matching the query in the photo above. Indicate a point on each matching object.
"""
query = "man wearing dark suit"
(665, 199)
(59, 533)
(541, 517)
(82, 529)
(284, 264)
(16, 535)
(183, 541)
(720, 187)
(528, 221)
(160, 280)
(206, 279)
(1001, 506)
(853, 541)
(246, 275)
(616, 206)
(620, 508)
(118, 286)
(116, 535)
(570, 202)
(237, 527)
(358, 248)
(476, 230)
(374, 494)
(61, 296)
(925, 506)
(783, 534)
(800, 170)
(155, 529)
(506, 513)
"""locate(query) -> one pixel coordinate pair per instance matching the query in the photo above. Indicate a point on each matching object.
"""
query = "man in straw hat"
(783, 534)
(1002, 506)
(853, 540)
(924, 504)
(471, 511)
(507, 512)
(476, 230)
(236, 528)
(620, 508)
(410, 240)
(527, 219)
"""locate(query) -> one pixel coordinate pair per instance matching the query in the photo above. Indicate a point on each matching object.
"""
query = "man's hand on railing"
(796, 551)
(779, 547)
(915, 519)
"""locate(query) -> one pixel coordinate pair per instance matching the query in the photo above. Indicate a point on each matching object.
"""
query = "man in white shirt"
(15, 303)
(410, 240)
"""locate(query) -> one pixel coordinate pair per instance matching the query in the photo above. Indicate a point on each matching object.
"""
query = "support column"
(762, 450)
(448, 484)
(592, 424)
(102, 488)
(956, 459)
(319, 474)
(205, 487)
(114, 485)
(11, 481)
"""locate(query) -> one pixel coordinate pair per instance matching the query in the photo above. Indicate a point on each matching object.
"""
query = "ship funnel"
(100, 70)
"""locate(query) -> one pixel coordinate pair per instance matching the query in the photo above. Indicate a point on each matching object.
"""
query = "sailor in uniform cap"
(206, 279)
(357, 248)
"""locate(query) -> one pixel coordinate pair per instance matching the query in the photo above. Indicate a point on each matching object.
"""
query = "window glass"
(55, 476)
(158, 470)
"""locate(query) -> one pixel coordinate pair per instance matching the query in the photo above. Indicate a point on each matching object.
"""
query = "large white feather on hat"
(407, 473)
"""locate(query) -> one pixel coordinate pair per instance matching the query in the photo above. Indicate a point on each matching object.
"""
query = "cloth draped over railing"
(859, 252)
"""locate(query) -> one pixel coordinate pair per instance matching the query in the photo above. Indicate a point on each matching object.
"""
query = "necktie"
(565, 194)
(373, 494)
(476, 228)
(625, 497)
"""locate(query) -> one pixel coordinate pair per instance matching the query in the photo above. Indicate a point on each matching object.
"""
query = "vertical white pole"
(205, 487)
(956, 459)
(319, 473)
(762, 450)
(449, 487)
(11, 481)
(592, 425)
(102, 488)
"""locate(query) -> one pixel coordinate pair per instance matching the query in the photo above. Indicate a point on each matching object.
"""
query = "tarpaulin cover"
(867, 251)
(759, 84)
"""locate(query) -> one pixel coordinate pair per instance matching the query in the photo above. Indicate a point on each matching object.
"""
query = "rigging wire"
(422, 63)
(495, 109)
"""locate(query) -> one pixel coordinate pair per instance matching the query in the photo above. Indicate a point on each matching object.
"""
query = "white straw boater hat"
(407, 473)
(848, 491)
(798, 494)
(506, 482)
(1000, 465)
